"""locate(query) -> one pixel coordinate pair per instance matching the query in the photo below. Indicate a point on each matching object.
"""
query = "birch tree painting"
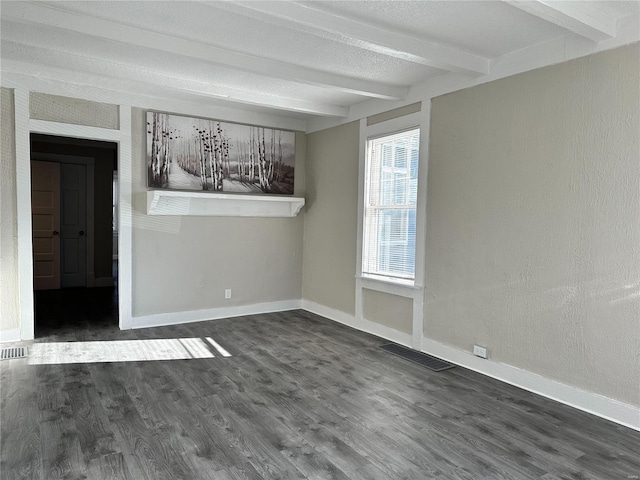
(196, 154)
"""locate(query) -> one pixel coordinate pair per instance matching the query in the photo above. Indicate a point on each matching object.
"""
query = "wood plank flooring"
(300, 397)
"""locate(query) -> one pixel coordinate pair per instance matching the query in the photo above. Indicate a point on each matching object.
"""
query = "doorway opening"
(74, 227)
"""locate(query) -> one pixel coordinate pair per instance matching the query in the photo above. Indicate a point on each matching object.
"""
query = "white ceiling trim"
(31, 13)
(96, 72)
(47, 55)
(553, 52)
(107, 94)
(581, 18)
(360, 34)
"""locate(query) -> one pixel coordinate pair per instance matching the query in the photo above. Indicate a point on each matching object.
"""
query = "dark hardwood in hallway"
(75, 310)
(299, 397)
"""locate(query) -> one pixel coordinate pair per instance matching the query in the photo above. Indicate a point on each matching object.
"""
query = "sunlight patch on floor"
(217, 346)
(121, 351)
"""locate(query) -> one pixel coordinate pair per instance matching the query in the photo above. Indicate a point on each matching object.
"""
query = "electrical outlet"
(479, 351)
(227, 294)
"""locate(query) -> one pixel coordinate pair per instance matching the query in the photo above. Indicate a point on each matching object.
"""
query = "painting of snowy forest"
(186, 153)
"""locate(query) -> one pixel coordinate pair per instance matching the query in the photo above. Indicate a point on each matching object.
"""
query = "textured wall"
(330, 227)
(186, 263)
(55, 108)
(533, 232)
(331, 217)
(9, 313)
(395, 113)
(389, 310)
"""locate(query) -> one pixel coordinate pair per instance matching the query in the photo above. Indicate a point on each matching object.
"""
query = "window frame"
(386, 129)
(413, 290)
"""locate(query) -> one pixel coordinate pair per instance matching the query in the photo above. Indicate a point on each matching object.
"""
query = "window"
(391, 187)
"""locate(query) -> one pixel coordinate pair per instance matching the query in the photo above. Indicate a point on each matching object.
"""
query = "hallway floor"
(75, 309)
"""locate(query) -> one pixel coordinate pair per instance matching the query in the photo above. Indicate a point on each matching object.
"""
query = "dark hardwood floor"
(299, 397)
(73, 310)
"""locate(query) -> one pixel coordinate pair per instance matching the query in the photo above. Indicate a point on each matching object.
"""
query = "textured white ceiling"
(207, 23)
(487, 28)
(30, 44)
(297, 58)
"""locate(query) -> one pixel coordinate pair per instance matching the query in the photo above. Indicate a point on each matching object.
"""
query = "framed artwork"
(185, 153)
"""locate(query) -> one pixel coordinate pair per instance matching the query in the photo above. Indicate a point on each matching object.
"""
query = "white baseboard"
(12, 335)
(103, 282)
(599, 405)
(362, 325)
(596, 404)
(164, 319)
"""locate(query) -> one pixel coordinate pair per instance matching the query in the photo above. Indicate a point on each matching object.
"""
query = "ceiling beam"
(193, 106)
(44, 15)
(357, 33)
(581, 18)
(47, 64)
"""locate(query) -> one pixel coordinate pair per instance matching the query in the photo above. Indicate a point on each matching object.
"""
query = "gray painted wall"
(389, 310)
(9, 313)
(55, 108)
(330, 227)
(186, 263)
(395, 113)
(331, 217)
(533, 210)
(533, 222)
(180, 263)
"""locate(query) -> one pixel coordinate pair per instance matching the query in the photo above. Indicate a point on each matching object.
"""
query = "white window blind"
(389, 230)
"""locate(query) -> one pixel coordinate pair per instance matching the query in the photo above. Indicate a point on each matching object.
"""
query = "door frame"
(24, 126)
(89, 162)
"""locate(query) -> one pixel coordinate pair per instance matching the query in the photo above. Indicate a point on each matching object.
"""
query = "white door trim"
(125, 221)
(23, 212)
(24, 126)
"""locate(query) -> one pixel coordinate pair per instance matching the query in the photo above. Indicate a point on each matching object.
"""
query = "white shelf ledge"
(169, 202)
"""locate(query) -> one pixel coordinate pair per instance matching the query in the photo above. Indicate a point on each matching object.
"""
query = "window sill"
(394, 286)
(169, 202)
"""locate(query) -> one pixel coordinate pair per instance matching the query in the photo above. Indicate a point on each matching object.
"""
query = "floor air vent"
(423, 359)
(13, 352)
